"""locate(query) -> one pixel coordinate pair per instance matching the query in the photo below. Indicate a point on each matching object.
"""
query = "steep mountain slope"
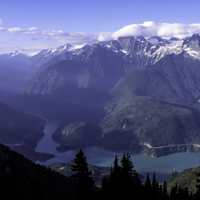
(135, 120)
(186, 179)
(141, 110)
(128, 91)
(17, 127)
(103, 64)
(82, 77)
(15, 71)
(145, 107)
(93, 67)
(20, 131)
(22, 179)
(174, 78)
(136, 123)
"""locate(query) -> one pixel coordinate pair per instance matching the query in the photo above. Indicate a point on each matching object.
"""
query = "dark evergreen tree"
(127, 165)
(115, 178)
(156, 193)
(164, 191)
(82, 176)
(22, 179)
(131, 184)
(111, 184)
(147, 189)
(116, 169)
(147, 184)
(123, 180)
(80, 165)
(155, 184)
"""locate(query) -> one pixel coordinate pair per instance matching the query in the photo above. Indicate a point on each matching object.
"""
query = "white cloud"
(53, 38)
(104, 36)
(15, 30)
(148, 28)
(59, 35)
(151, 28)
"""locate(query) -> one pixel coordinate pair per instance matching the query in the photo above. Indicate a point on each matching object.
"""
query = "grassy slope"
(186, 179)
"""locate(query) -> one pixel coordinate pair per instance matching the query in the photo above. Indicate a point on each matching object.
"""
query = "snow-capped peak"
(14, 53)
(75, 47)
(148, 50)
(62, 48)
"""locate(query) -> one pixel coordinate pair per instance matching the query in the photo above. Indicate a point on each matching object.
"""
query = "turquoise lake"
(100, 157)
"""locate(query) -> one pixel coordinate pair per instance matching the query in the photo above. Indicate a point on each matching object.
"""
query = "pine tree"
(128, 170)
(111, 185)
(127, 165)
(147, 184)
(155, 184)
(116, 169)
(147, 193)
(164, 191)
(130, 182)
(80, 165)
(82, 175)
(115, 174)
(155, 188)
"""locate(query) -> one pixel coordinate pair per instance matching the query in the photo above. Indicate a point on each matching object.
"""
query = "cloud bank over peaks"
(150, 28)
(34, 39)
(146, 29)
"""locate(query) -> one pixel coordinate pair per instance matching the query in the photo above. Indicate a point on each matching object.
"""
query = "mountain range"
(124, 94)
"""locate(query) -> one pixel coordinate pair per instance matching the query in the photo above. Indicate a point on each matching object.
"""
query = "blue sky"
(96, 15)
(91, 16)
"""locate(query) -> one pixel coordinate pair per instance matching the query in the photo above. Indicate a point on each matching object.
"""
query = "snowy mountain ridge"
(151, 49)
(154, 47)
